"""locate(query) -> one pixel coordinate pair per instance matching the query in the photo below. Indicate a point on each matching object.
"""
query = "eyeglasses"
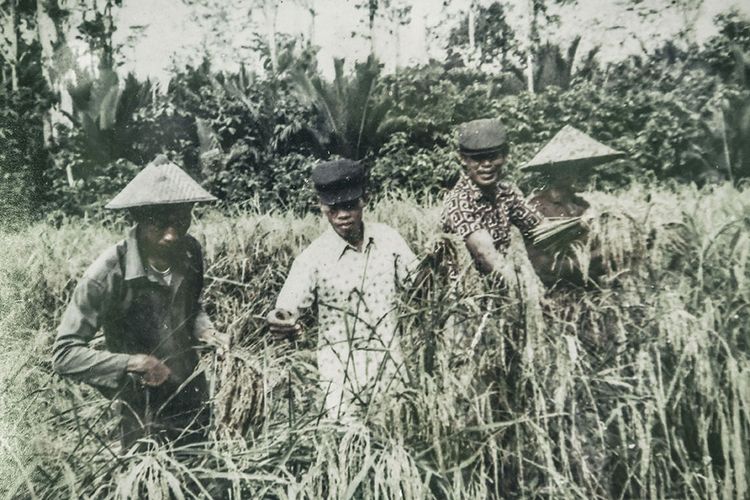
(494, 155)
(487, 157)
(344, 205)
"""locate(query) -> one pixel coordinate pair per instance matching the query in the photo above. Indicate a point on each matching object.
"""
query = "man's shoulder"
(108, 263)
(458, 189)
(384, 231)
(317, 247)
(505, 188)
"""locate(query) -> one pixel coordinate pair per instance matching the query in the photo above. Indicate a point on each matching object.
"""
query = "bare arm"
(297, 293)
(483, 251)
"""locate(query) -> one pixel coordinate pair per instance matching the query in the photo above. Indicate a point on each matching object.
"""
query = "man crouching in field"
(144, 293)
(353, 271)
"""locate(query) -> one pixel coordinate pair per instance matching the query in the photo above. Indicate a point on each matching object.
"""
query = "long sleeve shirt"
(467, 209)
(357, 296)
(138, 312)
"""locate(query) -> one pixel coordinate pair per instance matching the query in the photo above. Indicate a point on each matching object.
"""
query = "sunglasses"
(486, 157)
(502, 152)
(344, 205)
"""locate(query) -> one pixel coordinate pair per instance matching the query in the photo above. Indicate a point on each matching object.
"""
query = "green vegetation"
(638, 389)
(681, 111)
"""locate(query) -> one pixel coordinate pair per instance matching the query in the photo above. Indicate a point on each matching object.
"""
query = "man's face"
(485, 170)
(346, 218)
(164, 227)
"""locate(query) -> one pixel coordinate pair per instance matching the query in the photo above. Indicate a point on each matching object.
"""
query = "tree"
(485, 37)
(397, 15)
(554, 67)
(351, 119)
(310, 7)
(24, 99)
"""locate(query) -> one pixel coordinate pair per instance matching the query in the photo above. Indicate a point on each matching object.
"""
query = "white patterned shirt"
(357, 296)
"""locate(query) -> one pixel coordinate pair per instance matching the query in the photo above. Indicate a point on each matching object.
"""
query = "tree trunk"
(10, 32)
(531, 42)
(397, 36)
(311, 29)
(472, 33)
(372, 12)
(51, 40)
(270, 11)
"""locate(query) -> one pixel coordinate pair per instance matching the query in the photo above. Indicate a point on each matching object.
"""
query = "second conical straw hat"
(571, 148)
(161, 182)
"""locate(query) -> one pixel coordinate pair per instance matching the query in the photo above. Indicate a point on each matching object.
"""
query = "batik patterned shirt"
(467, 209)
(357, 296)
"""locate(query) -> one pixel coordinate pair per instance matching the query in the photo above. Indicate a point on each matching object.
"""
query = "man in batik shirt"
(354, 272)
(481, 207)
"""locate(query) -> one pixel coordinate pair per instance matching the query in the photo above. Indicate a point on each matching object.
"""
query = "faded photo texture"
(376, 249)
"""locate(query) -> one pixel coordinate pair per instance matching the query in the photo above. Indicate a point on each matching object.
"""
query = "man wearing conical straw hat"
(144, 294)
(566, 161)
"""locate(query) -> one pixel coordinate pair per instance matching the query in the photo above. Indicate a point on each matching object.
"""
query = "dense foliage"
(678, 113)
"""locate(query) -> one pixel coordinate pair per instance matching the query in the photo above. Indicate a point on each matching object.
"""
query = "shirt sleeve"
(521, 214)
(203, 323)
(72, 356)
(406, 261)
(298, 291)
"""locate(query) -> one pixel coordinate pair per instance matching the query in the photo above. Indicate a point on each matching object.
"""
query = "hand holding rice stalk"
(558, 233)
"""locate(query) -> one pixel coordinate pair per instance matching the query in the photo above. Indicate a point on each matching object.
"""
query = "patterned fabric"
(357, 295)
(466, 209)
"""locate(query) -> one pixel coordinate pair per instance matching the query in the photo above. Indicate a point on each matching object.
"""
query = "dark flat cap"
(483, 136)
(338, 181)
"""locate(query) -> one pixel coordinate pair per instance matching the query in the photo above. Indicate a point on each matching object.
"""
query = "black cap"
(338, 181)
(480, 137)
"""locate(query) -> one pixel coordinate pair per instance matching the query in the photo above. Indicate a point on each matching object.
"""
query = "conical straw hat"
(161, 182)
(571, 148)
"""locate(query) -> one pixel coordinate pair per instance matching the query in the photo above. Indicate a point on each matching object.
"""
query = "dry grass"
(637, 389)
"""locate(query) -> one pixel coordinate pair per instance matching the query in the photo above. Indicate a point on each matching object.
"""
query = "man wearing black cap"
(481, 208)
(353, 271)
(144, 293)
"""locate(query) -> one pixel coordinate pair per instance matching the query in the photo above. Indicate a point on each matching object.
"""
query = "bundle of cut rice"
(558, 233)
(239, 394)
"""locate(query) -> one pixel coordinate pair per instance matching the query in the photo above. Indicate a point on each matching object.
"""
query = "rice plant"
(635, 388)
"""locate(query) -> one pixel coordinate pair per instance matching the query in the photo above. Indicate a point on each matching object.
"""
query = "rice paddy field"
(636, 388)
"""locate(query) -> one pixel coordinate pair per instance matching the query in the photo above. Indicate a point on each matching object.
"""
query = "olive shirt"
(357, 295)
(467, 209)
(139, 313)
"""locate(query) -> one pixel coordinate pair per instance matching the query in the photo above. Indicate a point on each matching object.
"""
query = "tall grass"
(639, 388)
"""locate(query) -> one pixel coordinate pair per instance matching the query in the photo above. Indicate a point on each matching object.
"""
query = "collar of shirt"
(477, 194)
(135, 267)
(339, 245)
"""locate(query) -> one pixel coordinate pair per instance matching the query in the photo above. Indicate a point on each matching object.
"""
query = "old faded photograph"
(375, 249)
